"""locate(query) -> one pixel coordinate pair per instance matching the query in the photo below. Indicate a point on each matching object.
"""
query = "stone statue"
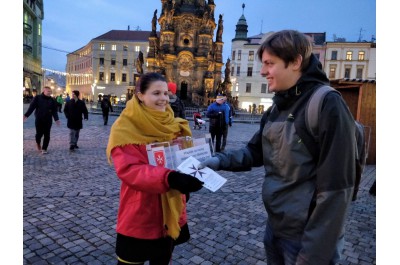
(154, 22)
(220, 28)
(228, 71)
(139, 63)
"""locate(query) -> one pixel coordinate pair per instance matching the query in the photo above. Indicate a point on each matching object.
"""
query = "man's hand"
(212, 162)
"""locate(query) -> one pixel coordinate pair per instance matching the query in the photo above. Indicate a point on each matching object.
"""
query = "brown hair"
(287, 45)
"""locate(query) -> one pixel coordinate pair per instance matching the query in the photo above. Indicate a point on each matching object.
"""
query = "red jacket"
(140, 210)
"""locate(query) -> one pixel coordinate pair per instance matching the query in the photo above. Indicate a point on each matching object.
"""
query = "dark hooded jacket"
(45, 108)
(73, 111)
(306, 192)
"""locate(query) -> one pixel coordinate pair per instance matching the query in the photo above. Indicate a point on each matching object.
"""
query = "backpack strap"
(313, 108)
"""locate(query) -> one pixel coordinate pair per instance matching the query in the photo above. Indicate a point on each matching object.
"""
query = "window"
(248, 87)
(112, 78)
(359, 73)
(334, 55)
(123, 78)
(137, 48)
(101, 61)
(112, 61)
(125, 48)
(124, 62)
(249, 71)
(361, 56)
(102, 46)
(349, 55)
(239, 55)
(347, 71)
(233, 55)
(232, 70)
(101, 76)
(238, 71)
(251, 55)
(263, 88)
(113, 47)
(332, 72)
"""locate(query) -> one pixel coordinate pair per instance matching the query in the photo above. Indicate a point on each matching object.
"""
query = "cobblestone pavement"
(71, 200)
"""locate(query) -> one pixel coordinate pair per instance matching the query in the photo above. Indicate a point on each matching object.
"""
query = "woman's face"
(156, 96)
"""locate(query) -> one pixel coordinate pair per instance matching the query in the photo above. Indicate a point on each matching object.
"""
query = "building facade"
(350, 60)
(32, 47)
(107, 65)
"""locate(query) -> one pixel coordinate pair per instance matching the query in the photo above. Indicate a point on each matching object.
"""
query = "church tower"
(185, 51)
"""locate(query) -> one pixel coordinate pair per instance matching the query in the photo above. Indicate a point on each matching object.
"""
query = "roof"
(125, 35)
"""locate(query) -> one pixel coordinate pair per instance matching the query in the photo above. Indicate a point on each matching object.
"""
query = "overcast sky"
(69, 25)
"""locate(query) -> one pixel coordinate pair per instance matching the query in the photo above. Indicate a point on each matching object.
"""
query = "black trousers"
(216, 134)
(43, 129)
(105, 117)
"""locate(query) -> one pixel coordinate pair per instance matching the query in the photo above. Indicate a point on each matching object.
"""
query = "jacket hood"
(311, 77)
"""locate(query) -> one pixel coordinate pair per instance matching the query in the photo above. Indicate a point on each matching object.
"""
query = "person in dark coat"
(45, 108)
(176, 103)
(73, 110)
(106, 107)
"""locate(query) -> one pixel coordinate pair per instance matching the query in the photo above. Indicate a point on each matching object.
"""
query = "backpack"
(313, 108)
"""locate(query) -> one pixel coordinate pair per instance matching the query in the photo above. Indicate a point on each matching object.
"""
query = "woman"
(152, 209)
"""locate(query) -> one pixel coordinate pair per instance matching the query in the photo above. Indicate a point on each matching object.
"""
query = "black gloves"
(183, 182)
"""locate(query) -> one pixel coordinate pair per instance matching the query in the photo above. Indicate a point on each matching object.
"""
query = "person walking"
(218, 113)
(152, 216)
(106, 107)
(45, 108)
(225, 131)
(306, 191)
(176, 103)
(74, 111)
(60, 102)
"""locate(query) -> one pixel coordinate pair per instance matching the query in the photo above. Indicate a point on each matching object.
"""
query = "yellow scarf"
(139, 124)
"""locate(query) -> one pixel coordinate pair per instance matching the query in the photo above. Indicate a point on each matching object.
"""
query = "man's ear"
(297, 63)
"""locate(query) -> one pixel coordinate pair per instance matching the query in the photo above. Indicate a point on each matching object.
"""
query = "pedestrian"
(176, 103)
(60, 102)
(106, 107)
(45, 108)
(75, 110)
(152, 208)
(67, 98)
(225, 131)
(218, 113)
(306, 193)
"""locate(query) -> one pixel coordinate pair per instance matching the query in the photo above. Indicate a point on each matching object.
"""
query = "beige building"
(32, 45)
(350, 60)
(107, 65)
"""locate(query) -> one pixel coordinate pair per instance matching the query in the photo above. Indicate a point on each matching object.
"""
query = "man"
(225, 131)
(306, 191)
(73, 110)
(60, 102)
(218, 113)
(45, 108)
(105, 108)
(176, 103)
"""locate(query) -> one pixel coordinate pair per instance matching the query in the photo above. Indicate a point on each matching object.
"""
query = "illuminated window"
(114, 47)
(137, 48)
(361, 56)
(349, 55)
(332, 72)
(251, 55)
(102, 46)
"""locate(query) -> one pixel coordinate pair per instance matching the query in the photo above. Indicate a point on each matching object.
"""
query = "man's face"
(47, 91)
(279, 77)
